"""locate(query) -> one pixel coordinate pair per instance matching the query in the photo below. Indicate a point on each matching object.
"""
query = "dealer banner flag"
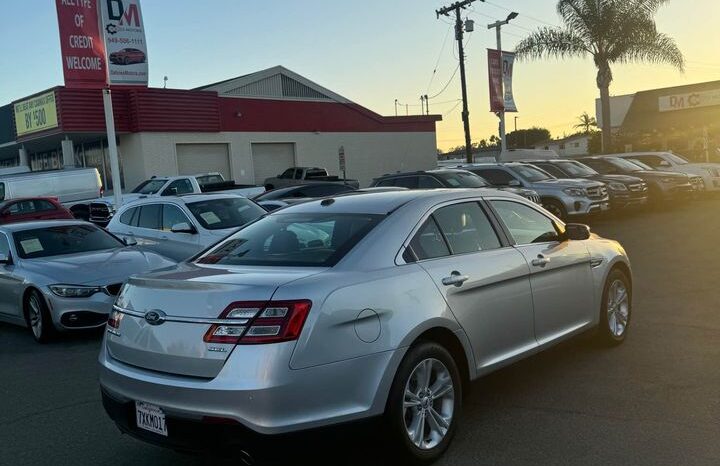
(124, 30)
(500, 71)
(81, 44)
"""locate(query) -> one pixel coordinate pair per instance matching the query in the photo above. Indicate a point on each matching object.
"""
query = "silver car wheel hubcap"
(35, 316)
(428, 403)
(618, 308)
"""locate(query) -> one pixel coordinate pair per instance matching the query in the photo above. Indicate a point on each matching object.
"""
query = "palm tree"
(611, 32)
(586, 123)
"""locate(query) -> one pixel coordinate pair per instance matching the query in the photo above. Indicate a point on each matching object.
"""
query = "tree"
(611, 32)
(527, 138)
(587, 123)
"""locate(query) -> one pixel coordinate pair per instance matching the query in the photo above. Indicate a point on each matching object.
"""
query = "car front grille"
(114, 289)
(599, 192)
(534, 198)
(99, 212)
(697, 182)
(638, 187)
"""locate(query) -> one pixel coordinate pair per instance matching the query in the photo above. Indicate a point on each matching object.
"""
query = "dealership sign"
(35, 114)
(500, 71)
(671, 103)
(81, 44)
(124, 30)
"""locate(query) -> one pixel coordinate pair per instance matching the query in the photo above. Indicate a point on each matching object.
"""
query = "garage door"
(194, 159)
(271, 159)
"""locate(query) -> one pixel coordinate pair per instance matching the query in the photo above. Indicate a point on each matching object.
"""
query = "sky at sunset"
(371, 52)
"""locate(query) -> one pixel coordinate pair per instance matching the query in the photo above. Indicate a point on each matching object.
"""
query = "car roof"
(386, 202)
(183, 199)
(424, 172)
(34, 225)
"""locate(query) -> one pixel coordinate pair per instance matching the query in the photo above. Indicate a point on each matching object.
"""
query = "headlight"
(575, 192)
(74, 291)
(617, 187)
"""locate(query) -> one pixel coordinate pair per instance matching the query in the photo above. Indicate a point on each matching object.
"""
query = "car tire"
(616, 309)
(431, 376)
(556, 208)
(37, 316)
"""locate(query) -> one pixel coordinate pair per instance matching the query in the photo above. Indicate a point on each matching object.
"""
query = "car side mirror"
(183, 227)
(130, 241)
(514, 183)
(576, 232)
(5, 260)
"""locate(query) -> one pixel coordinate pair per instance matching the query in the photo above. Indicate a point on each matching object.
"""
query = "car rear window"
(63, 240)
(300, 240)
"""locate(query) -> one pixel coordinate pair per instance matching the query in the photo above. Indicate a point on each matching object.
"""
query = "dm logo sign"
(124, 30)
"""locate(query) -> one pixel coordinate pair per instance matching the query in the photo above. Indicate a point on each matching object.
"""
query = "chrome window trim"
(184, 320)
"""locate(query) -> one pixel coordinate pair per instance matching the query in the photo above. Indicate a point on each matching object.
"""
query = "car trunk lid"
(165, 316)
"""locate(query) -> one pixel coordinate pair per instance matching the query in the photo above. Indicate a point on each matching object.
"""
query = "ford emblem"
(155, 317)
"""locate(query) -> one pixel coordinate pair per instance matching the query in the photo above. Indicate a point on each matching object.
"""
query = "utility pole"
(501, 114)
(457, 7)
(427, 105)
(396, 104)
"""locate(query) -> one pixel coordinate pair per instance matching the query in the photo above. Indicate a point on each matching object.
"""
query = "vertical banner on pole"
(508, 63)
(81, 44)
(495, 74)
(124, 31)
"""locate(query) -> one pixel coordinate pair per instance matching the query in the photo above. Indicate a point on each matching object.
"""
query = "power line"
(525, 15)
(437, 62)
(447, 84)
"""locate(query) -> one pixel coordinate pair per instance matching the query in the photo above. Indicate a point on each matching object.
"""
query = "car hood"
(566, 183)
(519, 191)
(658, 174)
(625, 179)
(96, 268)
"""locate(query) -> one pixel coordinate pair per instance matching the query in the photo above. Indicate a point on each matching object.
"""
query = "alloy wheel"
(35, 316)
(618, 308)
(428, 403)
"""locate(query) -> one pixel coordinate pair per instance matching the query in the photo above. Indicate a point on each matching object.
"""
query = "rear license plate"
(150, 418)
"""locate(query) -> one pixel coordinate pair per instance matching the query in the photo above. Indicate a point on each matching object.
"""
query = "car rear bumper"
(256, 389)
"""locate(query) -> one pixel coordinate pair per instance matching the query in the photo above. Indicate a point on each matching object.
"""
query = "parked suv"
(447, 178)
(662, 185)
(625, 191)
(667, 161)
(562, 197)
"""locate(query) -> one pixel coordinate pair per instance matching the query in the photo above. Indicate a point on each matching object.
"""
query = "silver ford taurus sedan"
(345, 308)
(64, 275)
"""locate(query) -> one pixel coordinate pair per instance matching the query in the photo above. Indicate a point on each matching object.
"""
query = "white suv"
(180, 227)
(667, 161)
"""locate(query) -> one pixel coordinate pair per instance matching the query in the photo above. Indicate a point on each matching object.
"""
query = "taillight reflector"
(260, 322)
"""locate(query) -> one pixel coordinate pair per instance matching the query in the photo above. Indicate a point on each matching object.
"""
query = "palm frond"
(654, 47)
(552, 42)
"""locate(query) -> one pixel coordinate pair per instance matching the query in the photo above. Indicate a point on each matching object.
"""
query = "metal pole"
(427, 105)
(463, 85)
(112, 147)
(396, 104)
(501, 113)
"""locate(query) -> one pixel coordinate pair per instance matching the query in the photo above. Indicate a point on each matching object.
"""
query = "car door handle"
(541, 261)
(455, 279)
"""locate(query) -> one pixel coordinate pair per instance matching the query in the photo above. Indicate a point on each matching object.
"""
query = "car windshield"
(642, 165)
(296, 240)
(219, 214)
(462, 179)
(63, 240)
(577, 169)
(531, 174)
(150, 187)
(676, 159)
(625, 164)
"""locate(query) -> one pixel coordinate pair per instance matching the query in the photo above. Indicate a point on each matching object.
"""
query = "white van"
(69, 186)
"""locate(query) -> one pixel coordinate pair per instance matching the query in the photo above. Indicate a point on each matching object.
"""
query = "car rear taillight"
(260, 322)
(114, 319)
(102, 191)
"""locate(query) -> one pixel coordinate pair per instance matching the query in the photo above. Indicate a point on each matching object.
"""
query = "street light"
(501, 114)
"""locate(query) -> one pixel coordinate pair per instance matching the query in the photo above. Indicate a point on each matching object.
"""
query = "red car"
(38, 208)
(127, 57)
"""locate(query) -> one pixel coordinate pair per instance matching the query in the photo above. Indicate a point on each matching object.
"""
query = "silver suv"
(562, 197)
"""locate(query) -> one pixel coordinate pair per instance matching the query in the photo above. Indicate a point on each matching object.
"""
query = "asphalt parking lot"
(653, 401)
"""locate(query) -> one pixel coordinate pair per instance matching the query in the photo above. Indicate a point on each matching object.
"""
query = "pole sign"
(341, 158)
(508, 63)
(124, 30)
(35, 114)
(497, 103)
(81, 44)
